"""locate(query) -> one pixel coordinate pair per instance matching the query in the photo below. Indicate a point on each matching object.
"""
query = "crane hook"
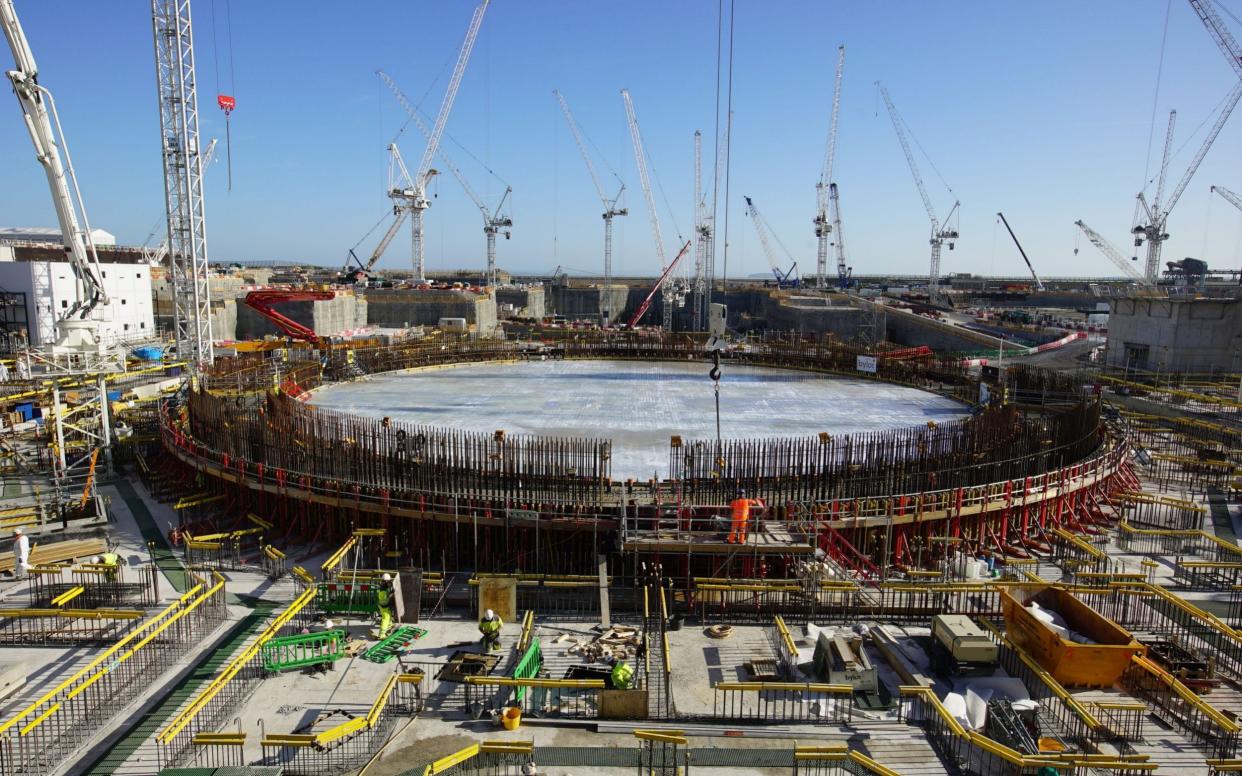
(714, 374)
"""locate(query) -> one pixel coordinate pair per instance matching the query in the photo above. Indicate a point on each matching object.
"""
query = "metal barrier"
(1156, 541)
(1151, 510)
(239, 550)
(273, 562)
(1122, 721)
(835, 760)
(491, 758)
(220, 750)
(1206, 574)
(786, 649)
(347, 745)
(566, 698)
(781, 702)
(972, 752)
(66, 626)
(215, 702)
(45, 733)
(102, 586)
(662, 752)
(1180, 706)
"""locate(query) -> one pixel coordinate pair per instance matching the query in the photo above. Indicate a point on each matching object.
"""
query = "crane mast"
(1229, 196)
(640, 159)
(702, 236)
(610, 207)
(843, 272)
(183, 178)
(824, 220)
(1112, 254)
(939, 234)
(424, 172)
(77, 330)
(156, 256)
(494, 221)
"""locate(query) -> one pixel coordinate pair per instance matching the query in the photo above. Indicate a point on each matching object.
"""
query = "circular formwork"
(868, 494)
(638, 406)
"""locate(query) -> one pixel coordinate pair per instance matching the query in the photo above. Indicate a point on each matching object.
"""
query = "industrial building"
(46, 287)
(1171, 334)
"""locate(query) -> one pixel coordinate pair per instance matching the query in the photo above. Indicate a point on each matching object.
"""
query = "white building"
(48, 288)
(43, 234)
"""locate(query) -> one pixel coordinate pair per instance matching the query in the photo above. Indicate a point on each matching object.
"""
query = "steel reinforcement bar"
(42, 735)
(212, 705)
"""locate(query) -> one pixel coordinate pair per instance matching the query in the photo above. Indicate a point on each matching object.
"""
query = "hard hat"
(96, 559)
(741, 493)
(328, 624)
(387, 577)
(489, 615)
(17, 532)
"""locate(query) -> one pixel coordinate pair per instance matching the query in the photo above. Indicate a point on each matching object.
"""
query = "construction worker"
(111, 563)
(740, 523)
(490, 627)
(384, 607)
(21, 553)
(622, 675)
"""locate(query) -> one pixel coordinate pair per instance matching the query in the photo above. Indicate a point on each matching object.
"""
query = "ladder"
(394, 644)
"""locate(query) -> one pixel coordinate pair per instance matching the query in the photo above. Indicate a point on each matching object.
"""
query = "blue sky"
(1042, 110)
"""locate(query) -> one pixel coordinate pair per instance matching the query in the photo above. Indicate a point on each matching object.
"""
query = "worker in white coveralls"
(21, 552)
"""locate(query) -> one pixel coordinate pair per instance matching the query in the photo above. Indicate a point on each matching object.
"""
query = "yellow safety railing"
(198, 499)
(335, 558)
(528, 630)
(1078, 543)
(1186, 694)
(234, 667)
(123, 650)
(1014, 757)
(73, 614)
(474, 750)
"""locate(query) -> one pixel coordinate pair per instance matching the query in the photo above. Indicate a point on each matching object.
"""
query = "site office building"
(31, 276)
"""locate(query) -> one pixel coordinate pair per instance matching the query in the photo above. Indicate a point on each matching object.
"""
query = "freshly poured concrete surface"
(636, 405)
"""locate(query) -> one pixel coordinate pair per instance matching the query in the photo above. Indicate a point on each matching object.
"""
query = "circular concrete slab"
(636, 405)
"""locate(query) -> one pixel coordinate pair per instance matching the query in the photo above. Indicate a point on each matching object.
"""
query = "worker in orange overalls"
(741, 507)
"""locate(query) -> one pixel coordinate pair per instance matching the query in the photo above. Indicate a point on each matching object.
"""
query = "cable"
(728, 149)
(1155, 98)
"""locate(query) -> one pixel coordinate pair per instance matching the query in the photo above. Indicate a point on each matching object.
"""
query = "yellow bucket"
(512, 718)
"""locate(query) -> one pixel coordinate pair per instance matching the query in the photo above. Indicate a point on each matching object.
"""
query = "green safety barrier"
(529, 666)
(394, 644)
(346, 597)
(287, 653)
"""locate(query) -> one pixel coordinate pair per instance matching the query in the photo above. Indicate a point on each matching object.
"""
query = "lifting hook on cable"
(714, 374)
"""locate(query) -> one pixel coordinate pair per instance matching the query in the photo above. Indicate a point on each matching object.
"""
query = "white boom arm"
(446, 107)
(1112, 253)
(640, 160)
(1230, 197)
(35, 101)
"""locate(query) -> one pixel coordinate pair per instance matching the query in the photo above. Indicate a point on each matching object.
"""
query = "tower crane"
(705, 228)
(1152, 229)
(611, 210)
(1039, 284)
(676, 293)
(1230, 197)
(423, 173)
(77, 328)
(494, 221)
(181, 151)
(941, 232)
(786, 279)
(155, 256)
(401, 192)
(1112, 254)
(825, 219)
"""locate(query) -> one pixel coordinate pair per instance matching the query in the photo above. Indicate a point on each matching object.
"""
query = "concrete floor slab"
(639, 406)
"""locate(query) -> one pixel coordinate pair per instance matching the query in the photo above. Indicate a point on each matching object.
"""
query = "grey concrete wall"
(327, 317)
(841, 321)
(529, 302)
(398, 307)
(1184, 335)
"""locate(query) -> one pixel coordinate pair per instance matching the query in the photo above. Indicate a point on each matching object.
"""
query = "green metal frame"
(346, 598)
(287, 653)
(391, 645)
(528, 667)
